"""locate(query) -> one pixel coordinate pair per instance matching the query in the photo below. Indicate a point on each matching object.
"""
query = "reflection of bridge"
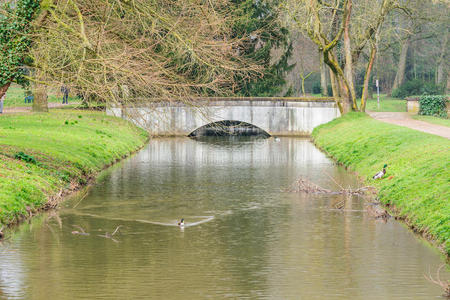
(276, 116)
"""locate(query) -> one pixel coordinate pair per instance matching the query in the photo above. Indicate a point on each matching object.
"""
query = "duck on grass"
(380, 174)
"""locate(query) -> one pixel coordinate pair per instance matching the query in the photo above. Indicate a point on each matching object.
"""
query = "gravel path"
(404, 119)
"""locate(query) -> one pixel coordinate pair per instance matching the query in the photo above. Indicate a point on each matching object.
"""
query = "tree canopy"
(138, 50)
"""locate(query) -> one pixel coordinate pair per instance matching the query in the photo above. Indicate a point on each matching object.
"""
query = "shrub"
(417, 87)
(359, 89)
(25, 157)
(316, 88)
(289, 92)
(433, 105)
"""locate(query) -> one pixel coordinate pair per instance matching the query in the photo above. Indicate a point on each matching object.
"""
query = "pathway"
(404, 119)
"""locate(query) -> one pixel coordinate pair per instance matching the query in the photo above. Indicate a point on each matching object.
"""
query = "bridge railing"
(212, 99)
(293, 99)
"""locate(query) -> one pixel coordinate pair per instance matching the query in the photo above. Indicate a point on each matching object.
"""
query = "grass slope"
(41, 154)
(419, 163)
(434, 120)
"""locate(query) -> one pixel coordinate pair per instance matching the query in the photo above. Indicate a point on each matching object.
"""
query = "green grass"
(434, 120)
(386, 104)
(40, 154)
(419, 164)
(15, 97)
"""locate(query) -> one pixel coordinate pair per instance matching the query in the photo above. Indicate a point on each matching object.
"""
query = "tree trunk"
(4, 89)
(303, 87)
(348, 68)
(334, 88)
(373, 53)
(345, 93)
(303, 82)
(40, 103)
(400, 76)
(323, 77)
(441, 69)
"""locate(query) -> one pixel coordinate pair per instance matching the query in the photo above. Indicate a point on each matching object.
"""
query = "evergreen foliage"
(433, 105)
(417, 87)
(15, 25)
(256, 21)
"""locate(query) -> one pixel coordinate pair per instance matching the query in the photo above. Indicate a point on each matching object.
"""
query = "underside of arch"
(229, 128)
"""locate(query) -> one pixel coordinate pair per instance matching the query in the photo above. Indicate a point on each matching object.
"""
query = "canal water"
(245, 237)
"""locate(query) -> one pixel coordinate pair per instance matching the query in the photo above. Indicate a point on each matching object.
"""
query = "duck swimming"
(181, 223)
(381, 173)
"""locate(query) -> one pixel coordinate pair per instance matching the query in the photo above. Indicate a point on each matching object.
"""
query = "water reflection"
(250, 239)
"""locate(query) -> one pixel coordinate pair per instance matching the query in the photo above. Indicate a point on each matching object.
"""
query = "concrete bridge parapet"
(276, 116)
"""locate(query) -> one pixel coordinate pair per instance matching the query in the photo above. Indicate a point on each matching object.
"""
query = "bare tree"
(352, 25)
(134, 51)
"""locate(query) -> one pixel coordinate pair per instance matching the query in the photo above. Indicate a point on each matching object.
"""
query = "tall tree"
(257, 25)
(136, 51)
(347, 24)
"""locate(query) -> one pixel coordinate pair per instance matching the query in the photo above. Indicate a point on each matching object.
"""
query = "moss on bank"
(44, 154)
(417, 182)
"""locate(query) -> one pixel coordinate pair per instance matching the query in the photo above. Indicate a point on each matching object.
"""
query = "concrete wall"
(274, 117)
(412, 105)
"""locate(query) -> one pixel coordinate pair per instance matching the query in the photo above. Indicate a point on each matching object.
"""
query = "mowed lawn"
(386, 104)
(42, 154)
(15, 97)
(433, 120)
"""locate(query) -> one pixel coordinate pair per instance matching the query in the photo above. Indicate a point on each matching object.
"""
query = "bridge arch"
(276, 116)
(229, 127)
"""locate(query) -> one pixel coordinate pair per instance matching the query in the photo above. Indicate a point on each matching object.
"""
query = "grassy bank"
(417, 182)
(15, 96)
(386, 104)
(433, 120)
(41, 155)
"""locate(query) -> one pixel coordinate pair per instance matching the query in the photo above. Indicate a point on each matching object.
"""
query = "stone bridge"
(281, 116)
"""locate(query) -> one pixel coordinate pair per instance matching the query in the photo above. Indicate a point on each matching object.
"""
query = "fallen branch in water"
(444, 284)
(303, 185)
(81, 232)
(306, 186)
(108, 235)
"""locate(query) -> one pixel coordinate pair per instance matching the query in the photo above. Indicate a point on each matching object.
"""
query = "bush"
(433, 105)
(417, 87)
(359, 89)
(316, 88)
(25, 157)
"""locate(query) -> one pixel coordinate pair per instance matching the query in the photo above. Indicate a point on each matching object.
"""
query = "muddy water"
(244, 236)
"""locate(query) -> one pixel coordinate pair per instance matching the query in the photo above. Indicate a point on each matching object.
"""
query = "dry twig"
(108, 235)
(444, 284)
(306, 186)
(81, 232)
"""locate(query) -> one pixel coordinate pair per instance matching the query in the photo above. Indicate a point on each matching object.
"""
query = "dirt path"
(22, 109)
(404, 119)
